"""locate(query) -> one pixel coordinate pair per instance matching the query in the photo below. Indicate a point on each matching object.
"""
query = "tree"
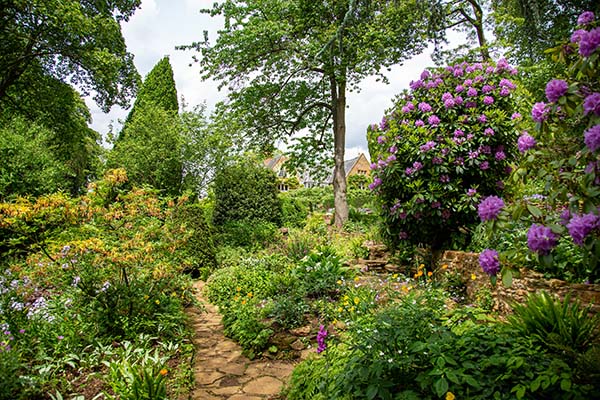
(289, 64)
(150, 144)
(151, 151)
(79, 41)
(29, 166)
(158, 89)
(46, 101)
(526, 28)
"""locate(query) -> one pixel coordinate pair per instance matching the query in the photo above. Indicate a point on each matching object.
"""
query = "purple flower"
(425, 74)
(403, 235)
(433, 120)
(487, 100)
(449, 103)
(468, 82)
(489, 132)
(471, 192)
(487, 89)
(565, 216)
(376, 182)
(458, 100)
(504, 92)
(484, 165)
(383, 125)
(589, 42)
(489, 262)
(459, 88)
(490, 208)
(459, 133)
(482, 118)
(417, 165)
(541, 239)
(502, 64)
(427, 146)
(446, 96)
(539, 112)
(525, 142)
(414, 85)
(500, 155)
(381, 139)
(577, 35)
(585, 18)
(555, 89)
(581, 226)
(436, 204)
(444, 179)
(409, 171)
(321, 335)
(391, 158)
(515, 116)
(472, 92)
(419, 123)
(473, 154)
(424, 107)
(436, 161)
(592, 104)
(506, 83)
(592, 138)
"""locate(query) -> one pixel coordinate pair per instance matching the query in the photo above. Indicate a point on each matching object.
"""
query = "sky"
(160, 25)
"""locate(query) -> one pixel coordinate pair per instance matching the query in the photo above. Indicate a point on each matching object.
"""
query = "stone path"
(221, 371)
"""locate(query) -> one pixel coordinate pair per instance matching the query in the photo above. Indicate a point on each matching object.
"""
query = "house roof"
(271, 162)
(349, 164)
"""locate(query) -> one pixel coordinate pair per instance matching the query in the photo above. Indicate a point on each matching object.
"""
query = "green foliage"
(441, 148)
(244, 323)
(158, 90)
(562, 326)
(246, 192)
(248, 234)
(138, 379)
(76, 41)
(30, 166)
(319, 272)
(151, 150)
(294, 210)
(288, 310)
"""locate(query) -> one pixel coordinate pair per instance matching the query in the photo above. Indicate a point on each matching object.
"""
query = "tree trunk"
(479, 29)
(339, 137)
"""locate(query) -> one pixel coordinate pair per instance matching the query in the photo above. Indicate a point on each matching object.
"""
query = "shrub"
(248, 234)
(294, 210)
(319, 272)
(246, 192)
(447, 142)
(562, 158)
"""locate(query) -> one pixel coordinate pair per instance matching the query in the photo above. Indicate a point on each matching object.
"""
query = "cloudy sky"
(160, 25)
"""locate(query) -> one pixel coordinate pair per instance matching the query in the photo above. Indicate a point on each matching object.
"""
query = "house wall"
(362, 167)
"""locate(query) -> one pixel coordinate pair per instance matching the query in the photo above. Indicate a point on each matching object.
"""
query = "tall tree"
(150, 144)
(158, 89)
(290, 63)
(76, 41)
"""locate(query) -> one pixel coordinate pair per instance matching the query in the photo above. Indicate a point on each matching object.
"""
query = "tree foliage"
(246, 192)
(78, 41)
(158, 90)
(288, 66)
(29, 166)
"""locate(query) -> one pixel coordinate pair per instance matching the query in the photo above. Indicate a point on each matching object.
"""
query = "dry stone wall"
(467, 264)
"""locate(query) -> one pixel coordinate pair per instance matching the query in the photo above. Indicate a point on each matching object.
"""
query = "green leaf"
(536, 212)
(507, 277)
(535, 385)
(565, 385)
(452, 377)
(441, 386)
(372, 391)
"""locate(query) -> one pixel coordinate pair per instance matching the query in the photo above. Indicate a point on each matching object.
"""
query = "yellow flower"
(236, 298)
(421, 266)
(356, 279)
(243, 301)
(405, 289)
(351, 309)
(356, 300)
(339, 282)
(450, 396)
(395, 276)
(473, 277)
(340, 309)
(157, 301)
(238, 289)
(444, 266)
(429, 273)
(163, 372)
(249, 294)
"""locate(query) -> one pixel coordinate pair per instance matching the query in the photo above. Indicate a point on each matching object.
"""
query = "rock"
(298, 345)
(264, 385)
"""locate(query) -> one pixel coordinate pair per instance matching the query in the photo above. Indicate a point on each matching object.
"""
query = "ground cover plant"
(93, 292)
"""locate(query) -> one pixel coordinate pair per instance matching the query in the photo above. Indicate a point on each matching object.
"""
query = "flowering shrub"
(447, 142)
(564, 160)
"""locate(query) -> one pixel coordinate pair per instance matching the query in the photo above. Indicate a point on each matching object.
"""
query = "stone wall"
(467, 264)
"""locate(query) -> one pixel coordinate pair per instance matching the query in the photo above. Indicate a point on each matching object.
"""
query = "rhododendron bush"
(562, 157)
(447, 143)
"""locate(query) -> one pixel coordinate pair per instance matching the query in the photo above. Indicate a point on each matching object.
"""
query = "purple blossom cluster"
(555, 89)
(321, 335)
(489, 260)
(581, 226)
(592, 138)
(541, 239)
(525, 142)
(490, 207)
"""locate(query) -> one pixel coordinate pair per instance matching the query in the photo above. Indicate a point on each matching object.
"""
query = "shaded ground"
(221, 371)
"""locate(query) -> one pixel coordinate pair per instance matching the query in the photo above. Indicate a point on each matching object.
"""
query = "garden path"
(221, 371)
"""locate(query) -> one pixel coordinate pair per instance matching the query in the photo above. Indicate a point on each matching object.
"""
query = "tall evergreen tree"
(150, 145)
(158, 89)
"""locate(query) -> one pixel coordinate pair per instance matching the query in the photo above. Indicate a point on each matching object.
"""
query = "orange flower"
(163, 372)
(429, 273)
